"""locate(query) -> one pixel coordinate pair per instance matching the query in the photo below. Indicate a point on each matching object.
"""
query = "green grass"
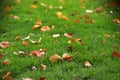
(98, 53)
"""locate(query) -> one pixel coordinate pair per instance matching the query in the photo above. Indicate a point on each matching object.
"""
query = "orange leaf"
(106, 35)
(67, 57)
(116, 20)
(59, 14)
(33, 6)
(43, 67)
(116, 54)
(68, 35)
(39, 22)
(6, 62)
(36, 26)
(8, 8)
(25, 43)
(55, 57)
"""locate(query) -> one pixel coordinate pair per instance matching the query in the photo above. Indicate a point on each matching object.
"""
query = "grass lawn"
(92, 25)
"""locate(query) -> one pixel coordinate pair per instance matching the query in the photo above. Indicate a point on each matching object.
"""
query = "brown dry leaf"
(89, 21)
(76, 21)
(17, 37)
(68, 35)
(25, 43)
(18, 1)
(33, 6)
(4, 44)
(42, 78)
(56, 35)
(6, 75)
(8, 8)
(43, 67)
(106, 35)
(2, 55)
(6, 62)
(45, 28)
(59, 14)
(87, 64)
(65, 17)
(116, 20)
(55, 57)
(99, 9)
(38, 53)
(67, 57)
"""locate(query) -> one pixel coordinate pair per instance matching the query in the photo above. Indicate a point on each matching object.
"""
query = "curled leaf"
(55, 57)
(87, 64)
(6, 75)
(4, 44)
(68, 35)
(43, 67)
(45, 28)
(67, 57)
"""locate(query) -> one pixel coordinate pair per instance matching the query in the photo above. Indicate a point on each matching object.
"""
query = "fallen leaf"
(70, 48)
(59, 14)
(38, 53)
(6, 62)
(18, 1)
(25, 43)
(60, 0)
(2, 55)
(16, 17)
(39, 22)
(65, 17)
(67, 57)
(99, 9)
(33, 6)
(116, 20)
(43, 4)
(17, 37)
(82, 1)
(89, 11)
(27, 79)
(89, 21)
(34, 68)
(68, 35)
(56, 35)
(42, 78)
(45, 28)
(86, 16)
(55, 57)
(6, 75)
(43, 67)
(8, 8)
(87, 64)
(21, 53)
(76, 21)
(36, 26)
(106, 35)
(4, 44)
(116, 54)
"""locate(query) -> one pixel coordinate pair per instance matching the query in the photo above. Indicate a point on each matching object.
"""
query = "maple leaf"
(4, 44)
(116, 54)
(38, 53)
